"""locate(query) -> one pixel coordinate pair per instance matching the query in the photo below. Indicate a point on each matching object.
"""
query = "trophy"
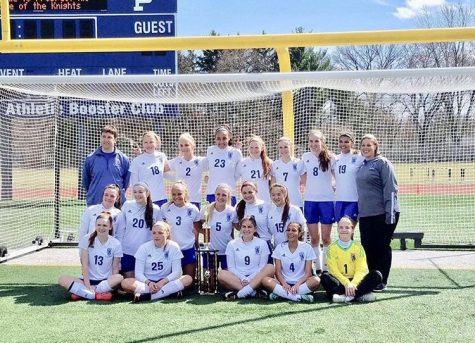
(207, 269)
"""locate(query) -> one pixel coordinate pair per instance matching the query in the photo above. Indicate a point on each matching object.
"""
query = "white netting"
(424, 120)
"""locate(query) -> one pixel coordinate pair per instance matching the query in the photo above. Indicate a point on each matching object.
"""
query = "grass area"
(421, 305)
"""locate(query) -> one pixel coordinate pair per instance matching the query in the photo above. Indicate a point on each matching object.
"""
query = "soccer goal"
(424, 120)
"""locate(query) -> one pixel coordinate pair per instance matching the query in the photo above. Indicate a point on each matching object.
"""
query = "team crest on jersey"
(189, 212)
(228, 217)
(165, 255)
(149, 255)
(114, 219)
(261, 209)
(294, 166)
(129, 211)
(308, 161)
(353, 160)
(109, 252)
(196, 162)
(302, 256)
(244, 165)
(258, 250)
(230, 155)
(143, 163)
(372, 165)
(160, 159)
(353, 257)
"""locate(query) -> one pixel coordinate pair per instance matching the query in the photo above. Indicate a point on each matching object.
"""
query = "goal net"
(424, 120)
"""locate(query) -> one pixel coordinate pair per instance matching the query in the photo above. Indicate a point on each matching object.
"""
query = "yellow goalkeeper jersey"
(347, 264)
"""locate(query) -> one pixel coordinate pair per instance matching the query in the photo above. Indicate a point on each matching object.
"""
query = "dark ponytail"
(148, 216)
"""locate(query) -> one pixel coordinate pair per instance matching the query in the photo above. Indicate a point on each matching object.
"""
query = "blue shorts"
(346, 209)
(210, 198)
(319, 212)
(222, 262)
(197, 204)
(188, 257)
(270, 260)
(127, 263)
(160, 202)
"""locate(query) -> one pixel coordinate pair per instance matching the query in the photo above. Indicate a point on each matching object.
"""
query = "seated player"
(158, 272)
(100, 258)
(247, 263)
(347, 278)
(293, 268)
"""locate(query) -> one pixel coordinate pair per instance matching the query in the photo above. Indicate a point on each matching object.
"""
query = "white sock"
(141, 287)
(245, 291)
(170, 288)
(81, 290)
(103, 287)
(281, 292)
(303, 289)
(325, 266)
(318, 260)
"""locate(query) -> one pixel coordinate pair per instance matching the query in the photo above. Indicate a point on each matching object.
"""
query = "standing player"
(138, 218)
(282, 213)
(182, 216)
(348, 278)
(157, 267)
(222, 161)
(106, 165)
(287, 170)
(189, 168)
(149, 168)
(293, 268)
(318, 196)
(247, 262)
(110, 203)
(256, 168)
(100, 259)
(347, 164)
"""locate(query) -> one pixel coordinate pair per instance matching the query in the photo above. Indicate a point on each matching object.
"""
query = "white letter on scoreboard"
(138, 5)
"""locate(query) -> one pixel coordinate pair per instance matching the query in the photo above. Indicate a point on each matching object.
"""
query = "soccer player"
(106, 165)
(139, 215)
(157, 267)
(111, 203)
(189, 168)
(318, 196)
(247, 258)
(293, 268)
(282, 213)
(347, 278)
(149, 168)
(100, 258)
(256, 168)
(347, 164)
(378, 207)
(287, 170)
(182, 216)
(221, 161)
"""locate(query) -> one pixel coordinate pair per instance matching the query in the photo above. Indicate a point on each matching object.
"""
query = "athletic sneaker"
(273, 297)
(368, 297)
(379, 288)
(262, 294)
(106, 296)
(138, 297)
(75, 297)
(306, 298)
(230, 295)
(341, 298)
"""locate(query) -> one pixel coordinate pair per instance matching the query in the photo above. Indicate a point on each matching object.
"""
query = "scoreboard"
(75, 19)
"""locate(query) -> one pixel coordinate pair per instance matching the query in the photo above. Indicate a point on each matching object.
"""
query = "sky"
(228, 17)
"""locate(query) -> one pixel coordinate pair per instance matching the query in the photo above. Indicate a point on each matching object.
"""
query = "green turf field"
(419, 306)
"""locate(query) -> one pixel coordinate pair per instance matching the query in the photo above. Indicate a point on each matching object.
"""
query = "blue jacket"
(98, 172)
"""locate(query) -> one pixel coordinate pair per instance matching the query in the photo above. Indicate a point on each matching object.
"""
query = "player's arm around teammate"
(158, 272)
(247, 258)
(100, 258)
(293, 268)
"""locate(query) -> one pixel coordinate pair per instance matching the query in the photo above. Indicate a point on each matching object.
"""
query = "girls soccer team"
(157, 238)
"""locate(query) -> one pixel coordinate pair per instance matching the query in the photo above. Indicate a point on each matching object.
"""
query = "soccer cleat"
(273, 297)
(341, 298)
(106, 296)
(379, 288)
(230, 295)
(138, 297)
(368, 297)
(262, 294)
(306, 298)
(75, 297)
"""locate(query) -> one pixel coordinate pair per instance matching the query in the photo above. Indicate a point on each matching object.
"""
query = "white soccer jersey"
(260, 210)
(246, 258)
(222, 165)
(136, 232)
(157, 262)
(221, 226)
(101, 256)
(319, 183)
(293, 264)
(346, 167)
(250, 169)
(191, 173)
(88, 219)
(288, 174)
(148, 168)
(181, 221)
(277, 228)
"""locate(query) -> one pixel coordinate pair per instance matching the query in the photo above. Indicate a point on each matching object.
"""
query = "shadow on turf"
(35, 294)
(310, 308)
